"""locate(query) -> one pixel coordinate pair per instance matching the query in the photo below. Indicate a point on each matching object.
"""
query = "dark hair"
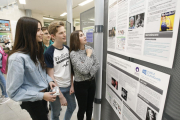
(25, 40)
(44, 28)
(74, 41)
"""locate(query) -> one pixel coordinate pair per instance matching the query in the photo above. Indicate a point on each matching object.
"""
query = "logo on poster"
(137, 71)
(144, 71)
(150, 74)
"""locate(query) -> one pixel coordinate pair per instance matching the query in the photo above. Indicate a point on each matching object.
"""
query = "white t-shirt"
(59, 60)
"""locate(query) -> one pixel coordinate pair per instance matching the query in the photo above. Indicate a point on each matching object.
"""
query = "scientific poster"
(135, 92)
(88, 32)
(144, 29)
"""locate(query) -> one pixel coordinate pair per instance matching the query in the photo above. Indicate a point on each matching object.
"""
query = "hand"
(52, 84)
(63, 101)
(89, 52)
(49, 97)
(71, 90)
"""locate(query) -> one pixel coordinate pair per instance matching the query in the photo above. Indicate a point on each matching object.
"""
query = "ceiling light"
(22, 1)
(48, 18)
(85, 2)
(91, 19)
(63, 14)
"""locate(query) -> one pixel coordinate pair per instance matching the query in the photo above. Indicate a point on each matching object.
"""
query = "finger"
(54, 96)
(52, 92)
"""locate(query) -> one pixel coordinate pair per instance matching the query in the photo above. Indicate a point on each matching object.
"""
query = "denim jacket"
(25, 80)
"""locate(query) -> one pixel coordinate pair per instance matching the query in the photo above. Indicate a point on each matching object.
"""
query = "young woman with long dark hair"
(27, 81)
(85, 65)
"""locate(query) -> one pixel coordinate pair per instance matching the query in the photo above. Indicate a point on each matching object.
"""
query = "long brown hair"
(74, 41)
(25, 40)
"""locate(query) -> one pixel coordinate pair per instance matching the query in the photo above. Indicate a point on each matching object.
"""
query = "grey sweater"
(84, 67)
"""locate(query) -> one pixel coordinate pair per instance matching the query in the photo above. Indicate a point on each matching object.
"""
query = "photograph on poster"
(5, 25)
(132, 22)
(167, 21)
(150, 114)
(139, 22)
(124, 94)
(5, 37)
(114, 83)
(120, 32)
(112, 32)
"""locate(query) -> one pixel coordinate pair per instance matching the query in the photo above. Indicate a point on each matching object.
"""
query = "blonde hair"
(53, 27)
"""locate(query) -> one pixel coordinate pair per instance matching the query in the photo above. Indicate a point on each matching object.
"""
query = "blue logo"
(144, 71)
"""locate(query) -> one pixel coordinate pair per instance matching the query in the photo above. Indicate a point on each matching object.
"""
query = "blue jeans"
(3, 84)
(56, 105)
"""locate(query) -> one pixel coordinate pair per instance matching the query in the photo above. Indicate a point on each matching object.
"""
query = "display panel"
(144, 29)
(135, 92)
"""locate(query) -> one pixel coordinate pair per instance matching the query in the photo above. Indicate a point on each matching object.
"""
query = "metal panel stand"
(98, 47)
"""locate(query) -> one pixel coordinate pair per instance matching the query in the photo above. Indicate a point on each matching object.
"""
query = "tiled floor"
(12, 111)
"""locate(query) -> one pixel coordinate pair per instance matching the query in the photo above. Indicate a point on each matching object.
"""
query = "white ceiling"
(54, 8)
(6, 2)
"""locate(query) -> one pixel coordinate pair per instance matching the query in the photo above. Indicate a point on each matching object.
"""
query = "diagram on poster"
(135, 92)
(144, 29)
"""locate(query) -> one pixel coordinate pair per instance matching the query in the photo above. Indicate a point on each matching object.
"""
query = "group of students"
(32, 73)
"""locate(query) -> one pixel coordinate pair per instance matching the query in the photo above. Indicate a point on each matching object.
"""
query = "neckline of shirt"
(57, 48)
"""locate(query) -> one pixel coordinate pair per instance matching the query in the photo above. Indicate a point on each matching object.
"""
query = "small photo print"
(132, 22)
(112, 32)
(120, 32)
(150, 115)
(167, 21)
(124, 94)
(139, 20)
(114, 83)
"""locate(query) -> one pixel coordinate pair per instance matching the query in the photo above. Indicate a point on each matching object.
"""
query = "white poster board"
(135, 92)
(144, 29)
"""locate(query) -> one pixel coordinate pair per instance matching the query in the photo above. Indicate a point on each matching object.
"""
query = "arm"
(15, 80)
(95, 66)
(50, 72)
(72, 85)
(83, 68)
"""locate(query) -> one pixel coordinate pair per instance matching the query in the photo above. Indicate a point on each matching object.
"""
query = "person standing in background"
(46, 38)
(4, 97)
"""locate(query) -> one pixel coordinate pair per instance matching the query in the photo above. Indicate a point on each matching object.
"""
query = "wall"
(13, 14)
(39, 17)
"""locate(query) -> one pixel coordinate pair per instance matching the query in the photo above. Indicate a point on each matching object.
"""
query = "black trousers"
(85, 92)
(38, 110)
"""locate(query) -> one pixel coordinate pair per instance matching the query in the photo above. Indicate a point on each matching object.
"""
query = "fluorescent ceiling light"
(91, 19)
(22, 1)
(48, 18)
(85, 2)
(63, 14)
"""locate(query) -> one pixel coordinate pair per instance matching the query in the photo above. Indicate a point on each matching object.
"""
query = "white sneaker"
(1, 97)
(4, 100)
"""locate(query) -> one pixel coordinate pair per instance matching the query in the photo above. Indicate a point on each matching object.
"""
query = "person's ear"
(53, 36)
